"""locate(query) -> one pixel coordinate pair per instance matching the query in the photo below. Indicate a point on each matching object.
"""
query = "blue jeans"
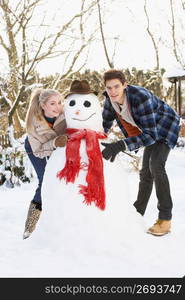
(39, 165)
(153, 170)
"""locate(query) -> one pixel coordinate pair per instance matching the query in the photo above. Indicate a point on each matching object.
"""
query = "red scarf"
(94, 191)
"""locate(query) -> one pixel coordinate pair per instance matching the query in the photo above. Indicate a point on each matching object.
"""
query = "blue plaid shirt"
(156, 119)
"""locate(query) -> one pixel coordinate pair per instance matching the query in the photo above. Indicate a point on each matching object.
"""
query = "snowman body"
(65, 217)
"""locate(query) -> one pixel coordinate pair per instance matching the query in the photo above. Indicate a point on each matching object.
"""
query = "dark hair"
(114, 74)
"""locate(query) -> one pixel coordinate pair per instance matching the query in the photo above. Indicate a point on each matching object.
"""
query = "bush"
(15, 167)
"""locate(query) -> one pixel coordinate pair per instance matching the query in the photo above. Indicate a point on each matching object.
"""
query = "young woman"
(45, 126)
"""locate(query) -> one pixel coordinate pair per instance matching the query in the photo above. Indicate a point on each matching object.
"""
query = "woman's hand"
(60, 141)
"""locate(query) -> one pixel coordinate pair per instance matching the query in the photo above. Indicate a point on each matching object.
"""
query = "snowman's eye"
(72, 103)
(87, 103)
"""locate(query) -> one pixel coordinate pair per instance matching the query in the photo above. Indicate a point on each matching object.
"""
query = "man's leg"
(146, 182)
(157, 165)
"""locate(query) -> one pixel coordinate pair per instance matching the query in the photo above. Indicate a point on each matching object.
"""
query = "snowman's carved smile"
(84, 119)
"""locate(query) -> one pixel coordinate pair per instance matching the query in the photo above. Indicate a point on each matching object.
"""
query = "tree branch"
(102, 35)
(152, 37)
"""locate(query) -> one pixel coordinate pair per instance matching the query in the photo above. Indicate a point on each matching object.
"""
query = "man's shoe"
(32, 219)
(161, 227)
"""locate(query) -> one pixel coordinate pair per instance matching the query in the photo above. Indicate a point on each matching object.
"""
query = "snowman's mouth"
(84, 119)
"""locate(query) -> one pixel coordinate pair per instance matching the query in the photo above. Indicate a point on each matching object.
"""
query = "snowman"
(85, 198)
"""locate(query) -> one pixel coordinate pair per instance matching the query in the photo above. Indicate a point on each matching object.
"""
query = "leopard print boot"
(32, 219)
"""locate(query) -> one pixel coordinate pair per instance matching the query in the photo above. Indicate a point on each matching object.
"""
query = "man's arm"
(144, 110)
(108, 115)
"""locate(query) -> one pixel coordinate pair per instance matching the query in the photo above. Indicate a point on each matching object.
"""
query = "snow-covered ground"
(131, 255)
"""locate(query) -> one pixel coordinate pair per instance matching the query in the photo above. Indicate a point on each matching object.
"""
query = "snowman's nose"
(77, 112)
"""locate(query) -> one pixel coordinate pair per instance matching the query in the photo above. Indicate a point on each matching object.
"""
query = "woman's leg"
(35, 206)
(39, 165)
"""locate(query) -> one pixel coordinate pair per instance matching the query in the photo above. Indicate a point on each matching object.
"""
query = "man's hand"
(60, 141)
(112, 149)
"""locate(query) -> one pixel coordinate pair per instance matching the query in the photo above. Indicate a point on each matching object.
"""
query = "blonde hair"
(39, 96)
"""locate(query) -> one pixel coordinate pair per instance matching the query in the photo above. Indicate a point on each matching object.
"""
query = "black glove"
(112, 149)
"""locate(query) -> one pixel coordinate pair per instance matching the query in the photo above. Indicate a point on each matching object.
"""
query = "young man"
(146, 121)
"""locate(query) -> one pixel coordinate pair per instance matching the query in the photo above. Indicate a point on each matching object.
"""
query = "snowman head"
(82, 108)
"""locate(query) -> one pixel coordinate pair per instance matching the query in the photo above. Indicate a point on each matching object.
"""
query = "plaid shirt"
(156, 119)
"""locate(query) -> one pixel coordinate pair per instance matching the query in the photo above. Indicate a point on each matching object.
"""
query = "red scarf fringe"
(94, 191)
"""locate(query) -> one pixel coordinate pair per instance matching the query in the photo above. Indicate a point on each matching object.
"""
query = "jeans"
(153, 170)
(39, 165)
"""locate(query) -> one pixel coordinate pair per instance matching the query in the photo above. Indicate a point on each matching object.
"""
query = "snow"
(73, 239)
(176, 72)
(72, 254)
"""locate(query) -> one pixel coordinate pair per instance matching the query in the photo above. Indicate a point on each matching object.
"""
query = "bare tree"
(183, 4)
(102, 36)
(85, 42)
(177, 46)
(152, 36)
(25, 51)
